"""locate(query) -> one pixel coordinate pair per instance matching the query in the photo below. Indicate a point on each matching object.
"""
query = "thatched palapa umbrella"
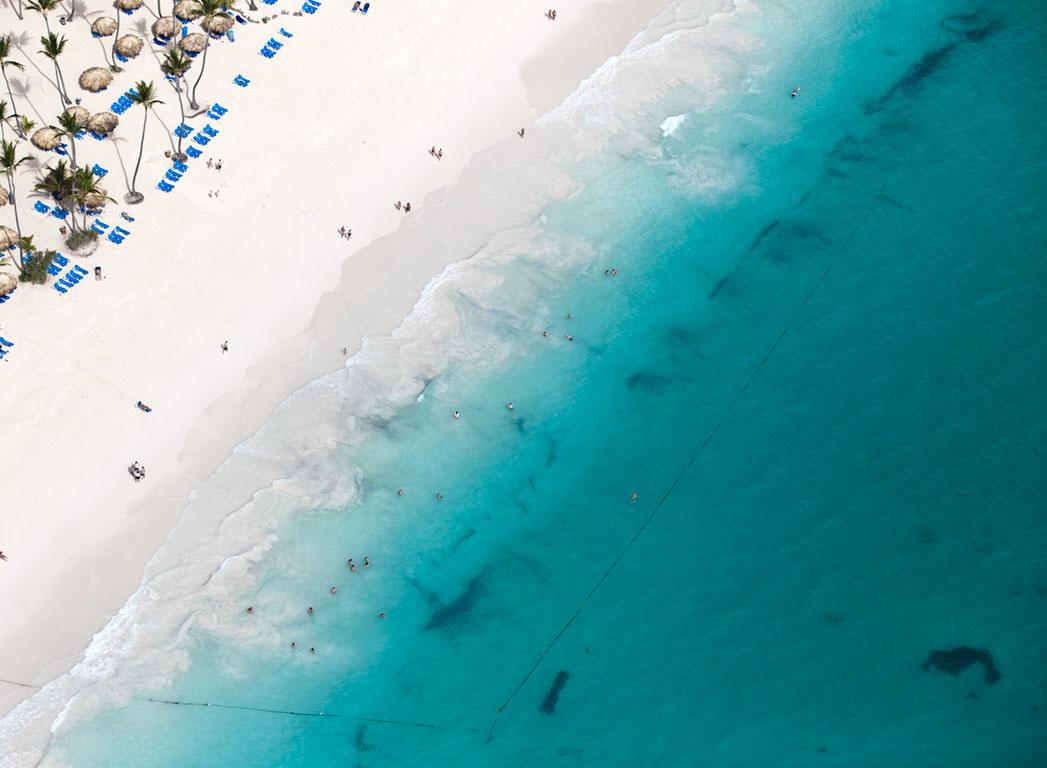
(80, 114)
(129, 46)
(187, 10)
(96, 199)
(193, 43)
(46, 138)
(217, 25)
(4, 197)
(128, 5)
(103, 27)
(165, 27)
(8, 237)
(103, 123)
(8, 283)
(95, 79)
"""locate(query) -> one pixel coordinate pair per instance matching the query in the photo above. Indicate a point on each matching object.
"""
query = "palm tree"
(9, 162)
(210, 9)
(5, 62)
(176, 64)
(145, 94)
(43, 7)
(58, 184)
(54, 46)
(86, 187)
(24, 125)
(69, 125)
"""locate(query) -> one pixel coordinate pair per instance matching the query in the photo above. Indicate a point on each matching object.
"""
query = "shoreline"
(202, 409)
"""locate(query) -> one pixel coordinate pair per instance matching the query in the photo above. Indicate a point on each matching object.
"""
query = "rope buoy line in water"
(683, 472)
(294, 713)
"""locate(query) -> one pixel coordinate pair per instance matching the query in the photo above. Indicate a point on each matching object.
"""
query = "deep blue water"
(825, 383)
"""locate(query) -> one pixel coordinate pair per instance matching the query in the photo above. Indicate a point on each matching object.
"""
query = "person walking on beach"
(3, 556)
(225, 346)
(398, 205)
(407, 207)
(521, 132)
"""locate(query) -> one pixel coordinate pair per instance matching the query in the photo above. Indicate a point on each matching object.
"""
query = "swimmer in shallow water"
(334, 590)
(400, 492)
(367, 561)
(310, 611)
(509, 405)
(457, 414)
(439, 497)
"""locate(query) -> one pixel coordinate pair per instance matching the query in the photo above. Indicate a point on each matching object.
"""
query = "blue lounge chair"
(60, 149)
(219, 108)
(115, 238)
(54, 270)
(58, 288)
(40, 207)
(180, 167)
(240, 19)
(116, 108)
(71, 278)
(274, 44)
(193, 152)
(242, 81)
(267, 53)
(163, 186)
(81, 270)
(5, 342)
(59, 213)
(285, 33)
(183, 130)
(210, 131)
(202, 140)
(99, 226)
(122, 231)
(99, 170)
(60, 260)
(308, 8)
(125, 100)
(172, 176)
(120, 57)
(365, 9)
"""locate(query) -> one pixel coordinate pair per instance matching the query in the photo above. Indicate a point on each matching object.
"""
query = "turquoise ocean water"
(821, 369)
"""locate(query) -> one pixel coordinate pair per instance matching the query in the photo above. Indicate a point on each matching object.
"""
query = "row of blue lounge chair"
(272, 45)
(310, 6)
(203, 138)
(117, 235)
(70, 279)
(6, 298)
(124, 103)
(4, 343)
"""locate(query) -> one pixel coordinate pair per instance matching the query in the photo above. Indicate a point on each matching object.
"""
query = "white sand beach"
(332, 131)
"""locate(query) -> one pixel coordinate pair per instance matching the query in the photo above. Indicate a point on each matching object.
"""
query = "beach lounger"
(60, 260)
(58, 288)
(99, 226)
(65, 282)
(240, 19)
(119, 57)
(115, 238)
(97, 136)
(180, 167)
(308, 8)
(115, 108)
(5, 342)
(60, 149)
(274, 44)
(267, 53)
(185, 30)
(285, 33)
(213, 115)
(172, 176)
(54, 270)
(81, 270)
(163, 186)
(59, 213)
(125, 100)
(365, 9)
(210, 131)
(219, 108)
(40, 207)
(183, 131)
(314, 3)
(71, 278)
(122, 231)
(99, 170)
(202, 140)
(193, 152)
(242, 81)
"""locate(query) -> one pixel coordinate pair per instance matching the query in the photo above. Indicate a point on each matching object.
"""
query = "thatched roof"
(46, 138)
(95, 79)
(128, 5)
(165, 27)
(129, 46)
(187, 10)
(103, 26)
(7, 236)
(217, 25)
(103, 123)
(8, 283)
(4, 197)
(96, 199)
(194, 42)
(80, 114)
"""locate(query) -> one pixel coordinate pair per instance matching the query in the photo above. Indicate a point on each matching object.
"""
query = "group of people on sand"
(437, 153)
(345, 232)
(550, 14)
(137, 471)
(405, 207)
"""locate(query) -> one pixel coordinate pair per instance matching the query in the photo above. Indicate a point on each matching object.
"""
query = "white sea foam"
(671, 124)
(491, 222)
